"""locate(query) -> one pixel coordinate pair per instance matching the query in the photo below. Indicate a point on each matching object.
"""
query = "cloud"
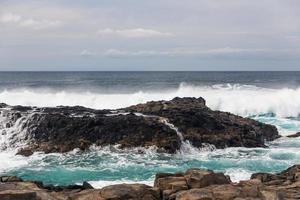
(133, 33)
(11, 18)
(86, 53)
(183, 52)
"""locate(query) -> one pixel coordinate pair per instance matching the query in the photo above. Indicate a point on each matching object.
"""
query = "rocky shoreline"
(194, 184)
(164, 124)
(169, 125)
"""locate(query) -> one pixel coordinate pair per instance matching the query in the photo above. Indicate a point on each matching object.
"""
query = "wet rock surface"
(199, 124)
(194, 184)
(63, 129)
(294, 135)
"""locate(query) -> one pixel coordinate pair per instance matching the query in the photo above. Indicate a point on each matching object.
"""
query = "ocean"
(269, 97)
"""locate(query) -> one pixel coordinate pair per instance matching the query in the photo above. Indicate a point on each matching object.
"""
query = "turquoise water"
(108, 165)
(269, 97)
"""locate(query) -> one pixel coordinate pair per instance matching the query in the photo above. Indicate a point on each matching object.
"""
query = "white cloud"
(86, 53)
(133, 33)
(11, 18)
(183, 52)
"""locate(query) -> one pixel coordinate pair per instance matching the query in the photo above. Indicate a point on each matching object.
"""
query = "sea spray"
(241, 99)
(13, 128)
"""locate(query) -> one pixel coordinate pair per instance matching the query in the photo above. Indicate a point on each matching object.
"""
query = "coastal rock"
(168, 187)
(197, 178)
(294, 135)
(199, 124)
(6, 179)
(164, 124)
(170, 184)
(129, 191)
(17, 195)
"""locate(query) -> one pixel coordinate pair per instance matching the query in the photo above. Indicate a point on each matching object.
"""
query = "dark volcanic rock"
(199, 124)
(62, 129)
(294, 135)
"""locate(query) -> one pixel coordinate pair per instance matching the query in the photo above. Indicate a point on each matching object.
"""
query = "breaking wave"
(245, 100)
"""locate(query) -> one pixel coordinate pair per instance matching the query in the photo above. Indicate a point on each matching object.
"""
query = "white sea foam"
(100, 184)
(9, 161)
(236, 162)
(239, 99)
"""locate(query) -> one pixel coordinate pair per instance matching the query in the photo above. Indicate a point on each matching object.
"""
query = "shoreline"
(198, 184)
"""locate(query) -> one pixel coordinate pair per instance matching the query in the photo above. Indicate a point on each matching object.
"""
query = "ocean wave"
(245, 100)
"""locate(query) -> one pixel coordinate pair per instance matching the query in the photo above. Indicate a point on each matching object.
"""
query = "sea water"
(269, 97)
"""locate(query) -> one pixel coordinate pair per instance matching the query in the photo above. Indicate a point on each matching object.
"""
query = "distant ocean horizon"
(272, 97)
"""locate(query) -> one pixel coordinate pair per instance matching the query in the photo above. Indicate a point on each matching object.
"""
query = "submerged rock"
(164, 124)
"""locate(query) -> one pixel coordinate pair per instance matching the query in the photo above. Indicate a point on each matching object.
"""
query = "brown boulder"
(196, 194)
(199, 178)
(171, 183)
(130, 192)
(18, 195)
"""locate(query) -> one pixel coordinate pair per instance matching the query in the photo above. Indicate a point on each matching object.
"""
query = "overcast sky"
(150, 35)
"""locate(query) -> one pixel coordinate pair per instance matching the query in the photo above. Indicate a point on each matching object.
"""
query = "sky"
(113, 35)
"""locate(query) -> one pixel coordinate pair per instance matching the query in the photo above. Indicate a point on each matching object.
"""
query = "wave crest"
(243, 100)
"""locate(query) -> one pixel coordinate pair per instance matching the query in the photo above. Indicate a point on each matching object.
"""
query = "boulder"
(129, 191)
(196, 194)
(199, 178)
(284, 185)
(18, 195)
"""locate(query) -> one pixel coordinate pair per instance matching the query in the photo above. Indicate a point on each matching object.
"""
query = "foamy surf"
(243, 100)
(103, 166)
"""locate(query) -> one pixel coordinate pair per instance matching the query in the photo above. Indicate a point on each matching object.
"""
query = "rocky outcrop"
(194, 184)
(165, 124)
(199, 124)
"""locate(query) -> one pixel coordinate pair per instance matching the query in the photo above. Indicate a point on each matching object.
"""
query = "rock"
(18, 195)
(201, 125)
(197, 178)
(86, 195)
(129, 191)
(86, 185)
(226, 192)
(262, 186)
(25, 152)
(63, 129)
(265, 177)
(6, 179)
(294, 135)
(171, 183)
(196, 194)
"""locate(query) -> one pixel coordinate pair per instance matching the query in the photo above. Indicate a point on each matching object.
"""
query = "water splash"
(186, 147)
(14, 128)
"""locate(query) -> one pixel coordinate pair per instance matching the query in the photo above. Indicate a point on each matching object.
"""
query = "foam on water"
(109, 165)
(101, 184)
(105, 165)
(244, 100)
